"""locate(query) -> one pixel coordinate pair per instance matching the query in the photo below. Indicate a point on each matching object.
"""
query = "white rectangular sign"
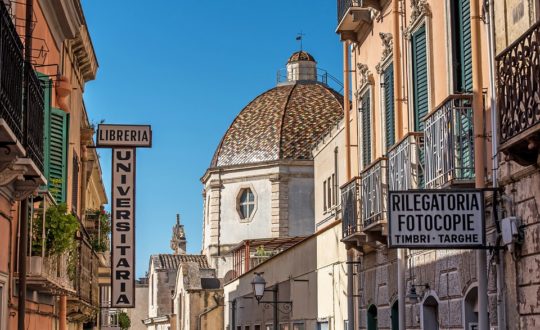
(124, 136)
(123, 228)
(427, 219)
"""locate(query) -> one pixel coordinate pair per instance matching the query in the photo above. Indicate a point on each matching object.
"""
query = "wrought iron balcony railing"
(374, 193)
(11, 74)
(46, 271)
(35, 119)
(406, 163)
(350, 208)
(448, 134)
(518, 96)
(86, 283)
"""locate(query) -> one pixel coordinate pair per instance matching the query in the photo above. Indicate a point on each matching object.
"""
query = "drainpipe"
(398, 102)
(350, 288)
(396, 58)
(206, 311)
(23, 226)
(490, 31)
(479, 153)
(346, 108)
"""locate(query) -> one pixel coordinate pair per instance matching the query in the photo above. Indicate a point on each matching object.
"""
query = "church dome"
(301, 56)
(281, 123)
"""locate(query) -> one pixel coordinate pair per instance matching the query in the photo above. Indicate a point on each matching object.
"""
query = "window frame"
(239, 204)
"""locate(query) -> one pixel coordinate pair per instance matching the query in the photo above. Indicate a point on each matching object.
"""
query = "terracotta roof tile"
(282, 123)
(172, 261)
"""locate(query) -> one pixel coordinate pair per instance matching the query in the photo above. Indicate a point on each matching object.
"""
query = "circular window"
(246, 205)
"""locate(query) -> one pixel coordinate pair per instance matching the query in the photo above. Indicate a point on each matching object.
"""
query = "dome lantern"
(301, 66)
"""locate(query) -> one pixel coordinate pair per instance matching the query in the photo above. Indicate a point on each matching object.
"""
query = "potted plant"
(123, 321)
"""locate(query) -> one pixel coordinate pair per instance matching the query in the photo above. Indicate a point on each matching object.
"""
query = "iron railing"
(321, 75)
(11, 74)
(87, 274)
(518, 88)
(374, 193)
(448, 151)
(35, 119)
(46, 271)
(405, 163)
(350, 208)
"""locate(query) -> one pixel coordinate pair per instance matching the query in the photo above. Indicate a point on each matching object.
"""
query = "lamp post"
(259, 288)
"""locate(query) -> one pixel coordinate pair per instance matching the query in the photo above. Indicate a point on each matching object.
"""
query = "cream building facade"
(435, 104)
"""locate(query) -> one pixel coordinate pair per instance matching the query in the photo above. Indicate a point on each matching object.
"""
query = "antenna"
(300, 37)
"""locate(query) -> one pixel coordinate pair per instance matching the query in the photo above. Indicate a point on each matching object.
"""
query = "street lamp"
(413, 295)
(259, 286)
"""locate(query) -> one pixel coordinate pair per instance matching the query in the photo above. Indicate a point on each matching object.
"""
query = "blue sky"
(187, 67)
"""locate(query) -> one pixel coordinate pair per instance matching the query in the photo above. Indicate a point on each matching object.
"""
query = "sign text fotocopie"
(436, 219)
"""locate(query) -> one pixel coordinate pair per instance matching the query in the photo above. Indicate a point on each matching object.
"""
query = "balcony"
(350, 209)
(11, 83)
(355, 16)
(449, 152)
(405, 163)
(45, 272)
(251, 253)
(374, 188)
(518, 97)
(21, 134)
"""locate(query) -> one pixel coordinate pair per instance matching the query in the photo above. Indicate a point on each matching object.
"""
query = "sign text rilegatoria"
(124, 139)
(426, 219)
(123, 233)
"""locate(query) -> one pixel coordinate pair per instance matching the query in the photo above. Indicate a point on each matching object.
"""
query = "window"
(257, 327)
(75, 184)
(431, 314)
(299, 326)
(372, 318)
(246, 203)
(284, 326)
(365, 112)
(329, 192)
(461, 45)
(322, 326)
(324, 196)
(269, 326)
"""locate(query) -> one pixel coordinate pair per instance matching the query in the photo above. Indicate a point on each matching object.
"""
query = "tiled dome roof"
(282, 123)
(301, 56)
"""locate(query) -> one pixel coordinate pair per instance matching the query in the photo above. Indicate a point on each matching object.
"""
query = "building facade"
(49, 175)
(435, 105)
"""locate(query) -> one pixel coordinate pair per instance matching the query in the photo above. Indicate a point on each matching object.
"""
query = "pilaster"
(280, 205)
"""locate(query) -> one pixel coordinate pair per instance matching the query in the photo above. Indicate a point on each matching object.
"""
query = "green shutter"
(419, 77)
(461, 42)
(389, 118)
(366, 129)
(57, 147)
(46, 83)
(466, 56)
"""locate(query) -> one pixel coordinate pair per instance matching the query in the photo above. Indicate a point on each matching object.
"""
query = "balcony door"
(461, 45)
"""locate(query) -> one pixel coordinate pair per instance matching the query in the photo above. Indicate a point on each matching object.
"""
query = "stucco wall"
(140, 312)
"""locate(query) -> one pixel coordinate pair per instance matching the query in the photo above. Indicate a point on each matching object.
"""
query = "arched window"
(372, 318)
(471, 309)
(431, 314)
(246, 205)
(394, 315)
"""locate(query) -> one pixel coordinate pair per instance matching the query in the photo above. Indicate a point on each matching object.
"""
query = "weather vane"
(300, 37)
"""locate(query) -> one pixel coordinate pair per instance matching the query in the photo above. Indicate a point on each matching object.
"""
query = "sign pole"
(123, 139)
